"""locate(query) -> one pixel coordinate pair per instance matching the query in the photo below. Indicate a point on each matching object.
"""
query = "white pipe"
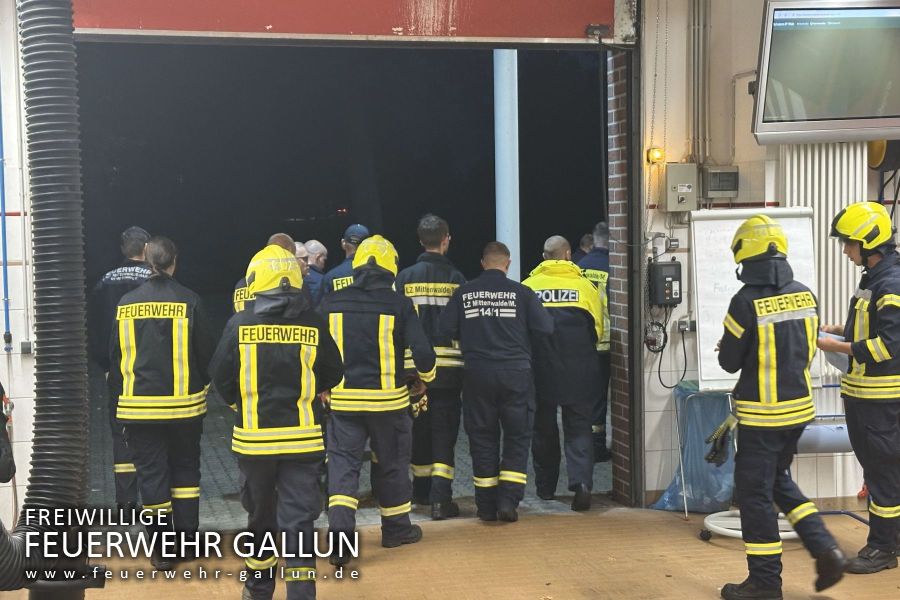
(506, 152)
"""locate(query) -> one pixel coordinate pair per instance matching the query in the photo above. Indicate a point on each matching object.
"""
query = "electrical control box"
(665, 283)
(720, 182)
(681, 189)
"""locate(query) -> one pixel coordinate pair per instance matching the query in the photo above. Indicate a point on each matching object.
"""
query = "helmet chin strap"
(737, 271)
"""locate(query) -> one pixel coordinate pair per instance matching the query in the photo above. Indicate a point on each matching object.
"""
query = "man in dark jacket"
(342, 275)
(372, 325)
(277, 438)
(162, 347)
(565, 373)
(429, 284)
(101, 317)
(312, 281)
(770, 337)
(494, 319)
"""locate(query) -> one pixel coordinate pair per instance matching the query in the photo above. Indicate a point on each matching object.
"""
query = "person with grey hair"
(162, 347)
(595, 266)
(312, 281)
(302, 256)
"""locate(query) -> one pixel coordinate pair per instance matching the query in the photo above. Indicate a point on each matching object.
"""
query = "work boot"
(830, 568)
(444, 510)
(871, 560)
(546, 494)
(411, 536)
(487, 515)
(750, 591)
(582, 499)
(601, 452)
(507, 513)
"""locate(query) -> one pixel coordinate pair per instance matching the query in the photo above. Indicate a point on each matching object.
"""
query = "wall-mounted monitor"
(829, 71)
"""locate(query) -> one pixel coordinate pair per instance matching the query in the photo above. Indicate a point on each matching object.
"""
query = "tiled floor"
(608, 554)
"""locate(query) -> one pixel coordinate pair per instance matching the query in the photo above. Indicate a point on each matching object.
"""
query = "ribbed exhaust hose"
(60, 446)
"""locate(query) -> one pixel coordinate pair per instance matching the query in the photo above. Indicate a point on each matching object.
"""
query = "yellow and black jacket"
(270, 365)
(161, 345)
(429, 284)
(373, 325)
(873, 327)
(770, 336)
(565, 364)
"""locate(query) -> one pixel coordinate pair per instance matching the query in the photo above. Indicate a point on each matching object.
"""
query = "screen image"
(827, 64)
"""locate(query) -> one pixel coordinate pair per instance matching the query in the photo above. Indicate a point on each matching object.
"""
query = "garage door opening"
(218, 146)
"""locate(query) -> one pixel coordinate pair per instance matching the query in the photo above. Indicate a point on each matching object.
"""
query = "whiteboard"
(714, 280)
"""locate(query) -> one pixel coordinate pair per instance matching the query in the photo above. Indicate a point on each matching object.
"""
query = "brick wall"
(620, 398)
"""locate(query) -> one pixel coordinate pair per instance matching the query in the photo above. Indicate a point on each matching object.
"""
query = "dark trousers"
(124, 471)
(493, 400)
(281, 495)
(577, 441)
(434, 443)
(390, 436)
(167, 457)
(874, 428)
(762, 476)
(602, 403)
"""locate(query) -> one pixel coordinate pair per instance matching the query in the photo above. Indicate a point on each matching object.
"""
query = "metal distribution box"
(681, 189)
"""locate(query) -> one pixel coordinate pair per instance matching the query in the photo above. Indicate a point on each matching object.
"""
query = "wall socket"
(687, 325)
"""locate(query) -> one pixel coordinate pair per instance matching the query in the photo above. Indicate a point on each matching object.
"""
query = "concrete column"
(506, 152)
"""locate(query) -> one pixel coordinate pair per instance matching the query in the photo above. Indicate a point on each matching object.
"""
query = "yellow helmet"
(378, 251)
(865, 222)
(270, 269)
(757, 236)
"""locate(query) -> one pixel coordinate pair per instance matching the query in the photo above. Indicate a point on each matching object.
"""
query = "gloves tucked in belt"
(719, 439)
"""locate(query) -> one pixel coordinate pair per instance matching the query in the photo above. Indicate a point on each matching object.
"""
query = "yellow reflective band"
(277, 433)
(763, 549)
(751, 420)
(885, 512)
(180, 364)
(421, 470)
(774, 305)
(449, 362)
(393, 511)
(485, 482)
(513, 477)
(128, 348)
(185, 493)
(248, 385)
(278, 334)
(801, 512)
(144, 408)
(261, 565)
(428, 376)
(877, 349)
(766, 375)
(274, 448)
(345, 501)
(307, 386)
(733, 326)
(888, 300)
(876, 381)
(442, 470)
(386, 351)
(336, 328)
(124, 468)
(299, 574)
(152, 310)
(348, 405)
(870, 393)
(163, 506)
(374, 458)
(749, 406)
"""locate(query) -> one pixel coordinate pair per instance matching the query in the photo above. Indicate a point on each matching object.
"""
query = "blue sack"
(709, 488)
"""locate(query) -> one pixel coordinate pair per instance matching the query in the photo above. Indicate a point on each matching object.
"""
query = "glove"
(719, 439)
(419, 407)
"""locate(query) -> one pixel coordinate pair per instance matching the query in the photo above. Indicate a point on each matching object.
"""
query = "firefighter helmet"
(377, 251)
(758, 236)
(865, 222)
(273, 269)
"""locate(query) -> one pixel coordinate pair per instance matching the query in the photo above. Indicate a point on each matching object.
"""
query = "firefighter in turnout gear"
(871, 386)
(494, 319)
(566, 373)
(429, 284)
(101, 318)
(770, 337)
(162, 346)
(342, 275)
(373, 325)
(271, 364)
(242, 298)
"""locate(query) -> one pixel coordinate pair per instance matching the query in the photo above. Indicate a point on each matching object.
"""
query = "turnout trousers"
(496, 400)
(390, 437)
(124, 471)
(874, 428)
(577, 442)
(167, 457)
(762, 476)
(434, 444)
(281, 495)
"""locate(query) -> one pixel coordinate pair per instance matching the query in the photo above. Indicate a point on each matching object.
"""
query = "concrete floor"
(611, 553)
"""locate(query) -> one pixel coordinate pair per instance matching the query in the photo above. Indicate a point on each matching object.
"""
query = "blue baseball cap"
(355, 234)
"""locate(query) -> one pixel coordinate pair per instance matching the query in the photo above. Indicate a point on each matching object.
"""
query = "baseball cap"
(356, 233)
